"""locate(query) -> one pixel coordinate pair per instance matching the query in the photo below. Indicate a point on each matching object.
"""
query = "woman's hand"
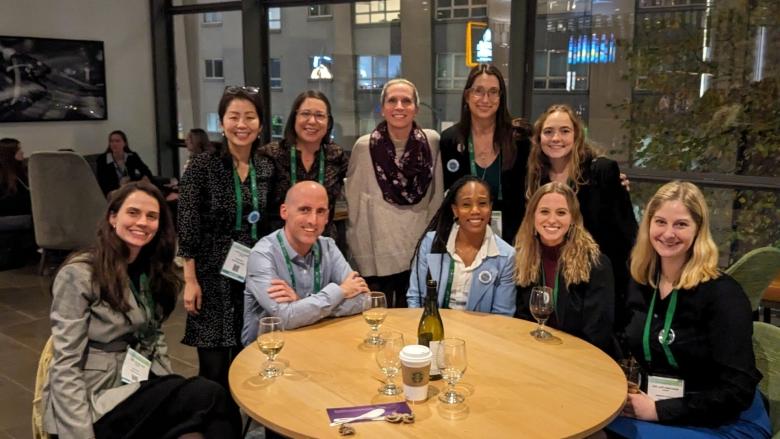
(192, 297)
(640, 406)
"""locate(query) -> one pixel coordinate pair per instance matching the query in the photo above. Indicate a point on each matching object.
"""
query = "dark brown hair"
(247, 93)
(121, 134)
(11, 170)
(289, 129)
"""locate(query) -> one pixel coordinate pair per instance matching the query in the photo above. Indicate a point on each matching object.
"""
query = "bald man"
(296, 274)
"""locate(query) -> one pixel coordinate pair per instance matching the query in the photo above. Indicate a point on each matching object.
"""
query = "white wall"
(124, 26)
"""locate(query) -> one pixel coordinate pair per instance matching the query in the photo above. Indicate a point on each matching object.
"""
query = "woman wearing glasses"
(306, 153)
(488, 144)
(394, 187)
(222, 203)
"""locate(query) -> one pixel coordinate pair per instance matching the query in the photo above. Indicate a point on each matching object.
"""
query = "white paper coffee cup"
(415, 367)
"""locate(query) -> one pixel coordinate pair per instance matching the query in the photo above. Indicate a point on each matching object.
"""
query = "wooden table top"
(515, 386)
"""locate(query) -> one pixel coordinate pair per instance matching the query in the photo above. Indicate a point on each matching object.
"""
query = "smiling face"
(486, 105)
(241, 123)
(311, 121)
(472, 207)
(552, 219)
(137, 221)
(399, 108)
(116, 143)
(672, 230)
(305, 212)
(557, 136)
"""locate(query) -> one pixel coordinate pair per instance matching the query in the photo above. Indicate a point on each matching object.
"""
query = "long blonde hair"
(702, 263)
(579, 253)
(539, 163)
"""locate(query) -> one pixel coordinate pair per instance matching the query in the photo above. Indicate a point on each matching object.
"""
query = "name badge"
(660, 388)
(236, 262)
(135, 368)
(496, 222)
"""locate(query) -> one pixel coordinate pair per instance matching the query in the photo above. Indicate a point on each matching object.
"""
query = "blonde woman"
(554, 250)
(691, 325)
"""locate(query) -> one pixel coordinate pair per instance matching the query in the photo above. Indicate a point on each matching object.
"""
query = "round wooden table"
(515, 386)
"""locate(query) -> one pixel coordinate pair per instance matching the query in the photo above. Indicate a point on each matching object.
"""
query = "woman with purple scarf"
(394, 187)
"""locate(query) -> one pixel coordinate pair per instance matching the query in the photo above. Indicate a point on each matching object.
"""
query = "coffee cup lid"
(416, 352)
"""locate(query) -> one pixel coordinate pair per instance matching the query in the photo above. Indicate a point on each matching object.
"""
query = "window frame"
(371, 12)
(451, 78)
(470, 7)
(377, 82)
(213, 62)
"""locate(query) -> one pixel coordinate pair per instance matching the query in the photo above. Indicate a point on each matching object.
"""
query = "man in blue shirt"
(296, 274)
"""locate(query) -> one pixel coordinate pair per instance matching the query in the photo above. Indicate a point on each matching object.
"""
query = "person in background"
(119, 164)
(488, 144)
(394, 187)
(222, 206)
(561, 153)
(473, 267)
(14, 187)
(555, 250)
(690, 324)
(306, 153)
(108, 305)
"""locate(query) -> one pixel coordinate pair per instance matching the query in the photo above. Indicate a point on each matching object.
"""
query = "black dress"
(207, 220)
(456, 164)
(108, 174)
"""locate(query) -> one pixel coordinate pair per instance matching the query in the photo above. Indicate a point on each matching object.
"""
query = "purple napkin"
(351, 412)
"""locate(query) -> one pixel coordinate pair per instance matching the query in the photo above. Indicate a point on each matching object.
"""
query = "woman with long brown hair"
(14, 188)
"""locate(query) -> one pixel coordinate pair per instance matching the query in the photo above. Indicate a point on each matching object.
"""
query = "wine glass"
(541, 304)
(631, 370)
(452, 363)
(374, 312)
(389, 360)
(271, 341)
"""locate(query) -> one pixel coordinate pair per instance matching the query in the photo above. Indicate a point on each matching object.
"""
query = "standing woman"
(692, 325)
(561, 153)
(119, 165)
(394, 187)
(222, 202)
(488, 144)
(197, 141)
(473, 267)
(306, 153)
(555, 250)
(14, 188)
(108, 303)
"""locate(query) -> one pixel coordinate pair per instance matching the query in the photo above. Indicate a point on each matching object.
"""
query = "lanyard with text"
(555, 285)
(254, 216)
(664, 340)
(474, 168)
(294, 165)
(317, 259)
(448, 291)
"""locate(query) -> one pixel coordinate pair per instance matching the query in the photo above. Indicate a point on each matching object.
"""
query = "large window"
(447, 9)
(214, 69)
(451, 71)
(319, 11)
(377, 11)
(375, 70)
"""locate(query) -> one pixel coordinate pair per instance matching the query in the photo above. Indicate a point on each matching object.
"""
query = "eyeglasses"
(480, 92)
(239, 88)
(306, 114)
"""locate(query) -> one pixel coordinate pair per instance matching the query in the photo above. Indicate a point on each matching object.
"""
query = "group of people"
(489, 210)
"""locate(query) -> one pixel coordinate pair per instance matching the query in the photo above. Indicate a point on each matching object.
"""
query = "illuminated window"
(377, 11)
(214, 69)
(212, 18)
(275, 70)
(275, 19)
(552, 72)
(449, 9)
(321, 68)
(320, 11)
(212, 122)
(451, 71)
(374, 71)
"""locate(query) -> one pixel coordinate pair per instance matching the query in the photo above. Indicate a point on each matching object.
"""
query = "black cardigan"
(512, 206)
(584, 310)
(713, 328)
(106, 172)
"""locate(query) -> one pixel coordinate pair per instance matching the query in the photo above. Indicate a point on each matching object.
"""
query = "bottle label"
(434, 346)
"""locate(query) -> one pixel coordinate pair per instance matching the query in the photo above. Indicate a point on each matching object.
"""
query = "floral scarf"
(404, 181)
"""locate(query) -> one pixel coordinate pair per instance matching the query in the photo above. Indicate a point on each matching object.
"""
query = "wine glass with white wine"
(374, 312)
(389, 360)
(452, 363)
(271, 341)
(541, 305)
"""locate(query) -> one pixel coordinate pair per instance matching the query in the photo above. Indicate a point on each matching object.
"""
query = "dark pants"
(394, 286)
(214, 364)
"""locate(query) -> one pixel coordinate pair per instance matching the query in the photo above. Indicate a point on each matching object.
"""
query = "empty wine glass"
(631, 369)
(388, 359)
(452, 363)
(374, 312)
(271, 341)
(541, 304)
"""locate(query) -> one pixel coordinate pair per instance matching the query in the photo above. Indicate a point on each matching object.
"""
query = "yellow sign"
(479, 45)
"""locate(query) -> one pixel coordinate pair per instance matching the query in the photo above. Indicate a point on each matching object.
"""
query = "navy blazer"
(497, 295)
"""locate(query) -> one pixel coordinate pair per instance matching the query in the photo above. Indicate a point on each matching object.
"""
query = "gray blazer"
(85, 374)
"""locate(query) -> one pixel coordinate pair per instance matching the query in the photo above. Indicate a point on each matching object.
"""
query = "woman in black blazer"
(119, 165)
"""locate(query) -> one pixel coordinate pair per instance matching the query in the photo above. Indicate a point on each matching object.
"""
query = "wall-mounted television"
(46, 79)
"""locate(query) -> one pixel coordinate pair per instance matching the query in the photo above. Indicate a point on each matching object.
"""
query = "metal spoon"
(368, 415)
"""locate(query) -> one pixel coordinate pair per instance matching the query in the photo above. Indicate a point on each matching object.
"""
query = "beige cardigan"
(381, 235)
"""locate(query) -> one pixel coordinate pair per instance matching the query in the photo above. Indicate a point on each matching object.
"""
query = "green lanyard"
(143, 298)
(240, 200)
(448, 290)
(474, 168)
(555, 287)
(317, 259)
(667, 324)
(294, 165)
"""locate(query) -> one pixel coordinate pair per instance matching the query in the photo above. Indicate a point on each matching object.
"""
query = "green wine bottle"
(430, 332)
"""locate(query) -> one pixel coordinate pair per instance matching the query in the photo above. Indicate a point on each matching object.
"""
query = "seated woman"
(555, 250)
(119, 165)
(472, 266)
(14, 188)
(691, 325)
(108, 306)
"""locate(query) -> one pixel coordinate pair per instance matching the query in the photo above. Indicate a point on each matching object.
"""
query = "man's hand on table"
(353, 285)
(281, 292)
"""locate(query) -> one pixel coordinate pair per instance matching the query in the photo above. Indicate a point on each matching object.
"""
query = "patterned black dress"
(207, 220)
